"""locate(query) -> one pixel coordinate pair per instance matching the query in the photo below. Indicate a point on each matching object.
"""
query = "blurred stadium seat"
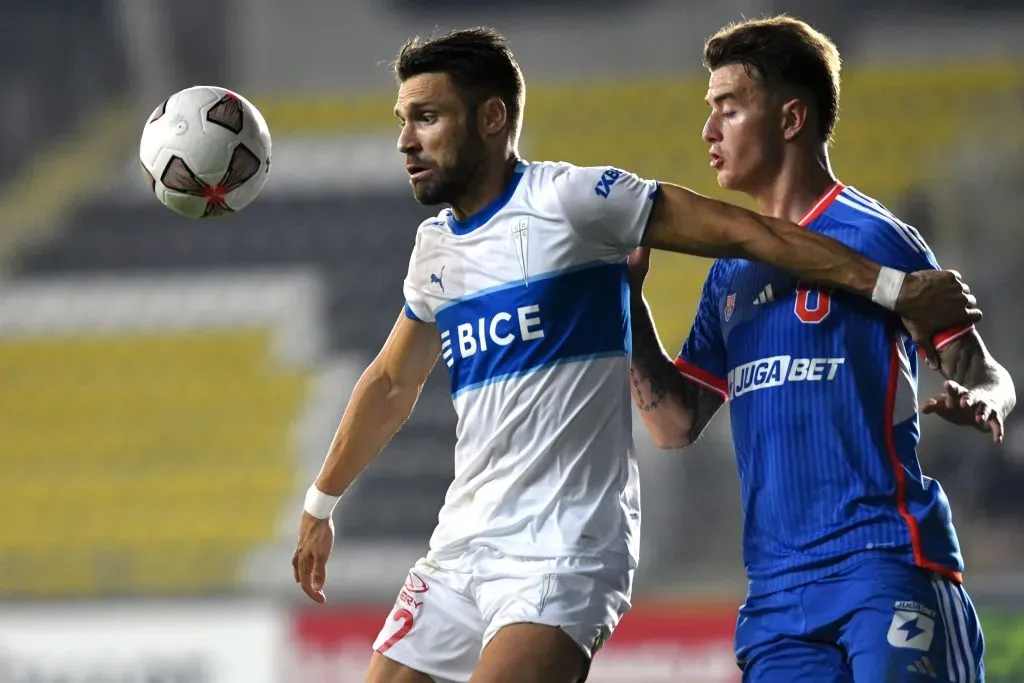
(143, 462)
(148, 437)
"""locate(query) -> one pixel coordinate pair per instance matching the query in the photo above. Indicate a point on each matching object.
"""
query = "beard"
(452, 178)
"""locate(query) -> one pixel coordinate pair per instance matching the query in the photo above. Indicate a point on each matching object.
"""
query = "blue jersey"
(822, 388)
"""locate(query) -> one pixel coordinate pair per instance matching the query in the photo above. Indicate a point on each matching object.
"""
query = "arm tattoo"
(655, 379)
(641, 373)
(651, 372)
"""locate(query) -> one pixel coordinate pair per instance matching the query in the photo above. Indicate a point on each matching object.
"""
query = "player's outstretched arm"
(381, 402)
(684, 221)
(674, 410)
(979, 391)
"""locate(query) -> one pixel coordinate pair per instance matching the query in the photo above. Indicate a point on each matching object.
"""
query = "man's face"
(442, 147)
(743, 131)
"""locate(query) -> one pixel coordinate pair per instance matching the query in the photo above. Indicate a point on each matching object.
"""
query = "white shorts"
(446, 612)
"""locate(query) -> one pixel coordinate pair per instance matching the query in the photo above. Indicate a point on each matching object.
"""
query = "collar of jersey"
(471, 223)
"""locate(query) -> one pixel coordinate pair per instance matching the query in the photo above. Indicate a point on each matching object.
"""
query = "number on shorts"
(802, 308)
(405, 616)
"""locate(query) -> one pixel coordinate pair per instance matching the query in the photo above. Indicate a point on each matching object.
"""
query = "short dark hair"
(781, 52)
(479, 62)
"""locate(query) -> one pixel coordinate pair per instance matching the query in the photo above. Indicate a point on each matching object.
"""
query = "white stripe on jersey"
(872, 203)
(850, 197)
(877, 205)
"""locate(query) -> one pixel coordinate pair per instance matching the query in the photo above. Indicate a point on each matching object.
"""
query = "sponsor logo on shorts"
(411, 594)
(912, 626)
(415, 583)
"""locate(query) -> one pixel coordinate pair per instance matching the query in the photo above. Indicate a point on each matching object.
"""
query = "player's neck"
(492, 184)
(799, 183)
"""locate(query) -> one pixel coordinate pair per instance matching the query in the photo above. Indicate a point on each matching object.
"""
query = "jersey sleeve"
(702, 359)
(605, 204)
(898, 245)
(416, 304)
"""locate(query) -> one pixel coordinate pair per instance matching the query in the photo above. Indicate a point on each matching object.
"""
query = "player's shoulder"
(853, 208)
(542, 176)
(548, 176)
(438, 222)
(569, 177)
(724, 268)
(865, 223)
(557, 187)
(433, 225)
(549, 170)
(429, 235)
(718, 276)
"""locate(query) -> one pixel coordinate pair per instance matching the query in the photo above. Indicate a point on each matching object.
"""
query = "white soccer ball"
(205, 152)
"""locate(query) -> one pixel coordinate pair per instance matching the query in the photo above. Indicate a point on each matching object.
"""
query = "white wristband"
(887, 287)
(319, 504)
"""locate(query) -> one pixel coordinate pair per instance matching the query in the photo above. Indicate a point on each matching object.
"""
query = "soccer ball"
(205, 152)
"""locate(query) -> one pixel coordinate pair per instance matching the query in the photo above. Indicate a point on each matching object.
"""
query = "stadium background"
(168, 388)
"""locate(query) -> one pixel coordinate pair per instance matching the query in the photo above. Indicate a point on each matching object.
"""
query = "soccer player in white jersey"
(520, 287)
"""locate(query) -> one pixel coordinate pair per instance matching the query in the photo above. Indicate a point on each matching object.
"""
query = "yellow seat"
(138, 463)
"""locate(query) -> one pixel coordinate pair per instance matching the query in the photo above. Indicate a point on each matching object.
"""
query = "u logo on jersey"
(813, 304)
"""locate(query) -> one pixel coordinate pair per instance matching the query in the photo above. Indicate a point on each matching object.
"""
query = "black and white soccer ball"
(205, 152)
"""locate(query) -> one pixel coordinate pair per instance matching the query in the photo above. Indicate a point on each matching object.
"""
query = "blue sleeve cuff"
(410, 315)
(653, 196)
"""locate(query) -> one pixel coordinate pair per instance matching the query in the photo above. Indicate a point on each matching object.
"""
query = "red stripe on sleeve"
(944, 339)
(702, 378)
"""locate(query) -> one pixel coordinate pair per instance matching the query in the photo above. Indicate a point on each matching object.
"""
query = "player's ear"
(795, 113)
(493, 116)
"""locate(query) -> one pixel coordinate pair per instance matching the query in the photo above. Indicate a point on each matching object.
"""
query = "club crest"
(730, 306)
(520, 238)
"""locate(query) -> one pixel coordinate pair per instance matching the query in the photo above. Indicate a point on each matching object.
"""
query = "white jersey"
(531, 300)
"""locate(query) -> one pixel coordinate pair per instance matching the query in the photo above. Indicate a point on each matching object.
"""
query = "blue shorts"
(882, 621)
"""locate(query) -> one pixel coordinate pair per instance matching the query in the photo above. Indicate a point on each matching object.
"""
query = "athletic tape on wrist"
(887, 287)
(319, 504)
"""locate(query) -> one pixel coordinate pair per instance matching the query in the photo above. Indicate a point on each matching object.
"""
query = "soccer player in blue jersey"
(520, 287)
(853, 563)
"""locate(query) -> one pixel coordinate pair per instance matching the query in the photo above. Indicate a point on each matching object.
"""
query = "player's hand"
(932, 301)
(309, 561)
(962, 407)
(639, 263)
